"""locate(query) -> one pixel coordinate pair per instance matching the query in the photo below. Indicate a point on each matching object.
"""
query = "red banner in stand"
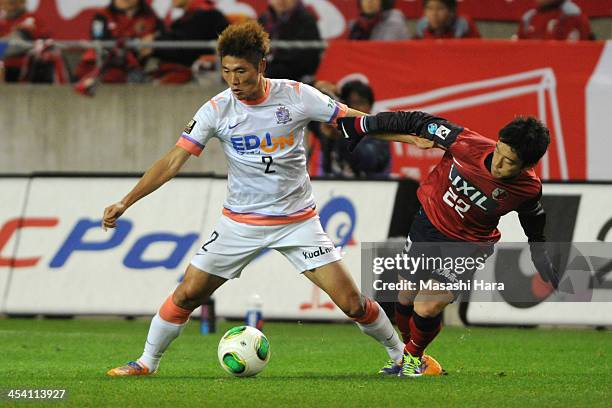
(481, 85)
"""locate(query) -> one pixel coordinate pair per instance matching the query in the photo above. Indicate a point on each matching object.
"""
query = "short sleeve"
(199, 130)
(320, 107)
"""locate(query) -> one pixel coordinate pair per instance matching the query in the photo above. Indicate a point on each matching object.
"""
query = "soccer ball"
(243, 351)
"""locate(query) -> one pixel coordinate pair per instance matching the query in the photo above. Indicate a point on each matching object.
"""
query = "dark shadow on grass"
(281, 378)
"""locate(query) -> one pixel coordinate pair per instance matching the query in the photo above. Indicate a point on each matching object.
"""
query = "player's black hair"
(528, 137)
(245, 40)
(451, 4)
(358, 87)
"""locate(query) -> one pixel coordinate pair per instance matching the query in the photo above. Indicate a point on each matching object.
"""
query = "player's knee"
(187, 296)
(406, 297)
(429, 309)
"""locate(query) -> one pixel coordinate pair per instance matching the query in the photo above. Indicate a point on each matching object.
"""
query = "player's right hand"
(112, 214)
(352, 130)
(543, 264)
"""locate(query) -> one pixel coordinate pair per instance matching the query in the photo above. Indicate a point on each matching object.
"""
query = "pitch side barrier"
(55, 258)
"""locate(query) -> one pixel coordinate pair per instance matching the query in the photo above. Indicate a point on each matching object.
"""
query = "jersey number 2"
(267, 160)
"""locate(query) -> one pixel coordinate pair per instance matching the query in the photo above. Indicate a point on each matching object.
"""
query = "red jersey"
(463, 200)
(563, 21)
(26, 22)
(460, 196)
(32, 29)
(111, 23)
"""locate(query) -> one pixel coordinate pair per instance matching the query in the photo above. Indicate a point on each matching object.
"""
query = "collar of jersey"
(263, 98)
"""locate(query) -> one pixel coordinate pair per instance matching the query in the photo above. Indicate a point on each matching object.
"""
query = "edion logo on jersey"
(253, 144)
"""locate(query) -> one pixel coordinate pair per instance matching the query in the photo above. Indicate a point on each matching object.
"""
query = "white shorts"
(233, 245)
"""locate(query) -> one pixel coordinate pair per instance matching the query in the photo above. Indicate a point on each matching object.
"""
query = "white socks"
(382, 330)
(161, 334)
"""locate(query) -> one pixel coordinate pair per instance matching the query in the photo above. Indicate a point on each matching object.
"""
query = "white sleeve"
(320, 107)
(200, 129)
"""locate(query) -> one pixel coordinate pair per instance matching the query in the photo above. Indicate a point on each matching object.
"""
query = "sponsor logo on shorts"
(447, 273)
(314, 254)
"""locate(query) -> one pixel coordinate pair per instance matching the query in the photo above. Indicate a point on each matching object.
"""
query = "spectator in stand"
(289, 20)
(370, 160)
(441, 20)
(120, 20)
(378, 20)
(555, 20)
(17, 22)
(200, 21)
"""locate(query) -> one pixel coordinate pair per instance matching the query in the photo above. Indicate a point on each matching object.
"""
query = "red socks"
(422, 332)
(403, 314)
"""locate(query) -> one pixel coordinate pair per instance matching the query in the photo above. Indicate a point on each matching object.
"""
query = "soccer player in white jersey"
(260, 123)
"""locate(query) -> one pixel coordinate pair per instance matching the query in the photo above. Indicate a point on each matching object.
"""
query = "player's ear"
(262, 66)
(529, 167)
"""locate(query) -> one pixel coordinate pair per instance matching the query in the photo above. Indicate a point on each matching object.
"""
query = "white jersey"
(268, 182)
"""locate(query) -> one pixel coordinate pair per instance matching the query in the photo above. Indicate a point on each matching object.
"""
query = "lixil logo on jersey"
(466, 189)
(253, 144)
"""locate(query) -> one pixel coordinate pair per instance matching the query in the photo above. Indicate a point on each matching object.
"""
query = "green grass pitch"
(314, 365)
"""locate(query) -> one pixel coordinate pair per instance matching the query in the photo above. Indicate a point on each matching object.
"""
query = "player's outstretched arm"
(395, 137)
(160, 172)
(407, 127)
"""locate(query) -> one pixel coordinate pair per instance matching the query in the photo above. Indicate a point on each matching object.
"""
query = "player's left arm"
(533, 220)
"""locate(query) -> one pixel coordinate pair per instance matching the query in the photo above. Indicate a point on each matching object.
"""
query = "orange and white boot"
(130, 369)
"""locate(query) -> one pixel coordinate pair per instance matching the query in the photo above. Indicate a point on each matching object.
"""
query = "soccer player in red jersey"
(477, 181)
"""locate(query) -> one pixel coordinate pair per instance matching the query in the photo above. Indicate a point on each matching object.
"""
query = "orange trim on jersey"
(258, 219)
(343, 110)
(214, 105)
(371, 312)
(340, 112)
(190, 146)
(296, 87)
(263, 98)
(173, 313)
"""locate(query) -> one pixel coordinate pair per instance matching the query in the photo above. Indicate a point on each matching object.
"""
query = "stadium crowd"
(285, 20)
(288, 20)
